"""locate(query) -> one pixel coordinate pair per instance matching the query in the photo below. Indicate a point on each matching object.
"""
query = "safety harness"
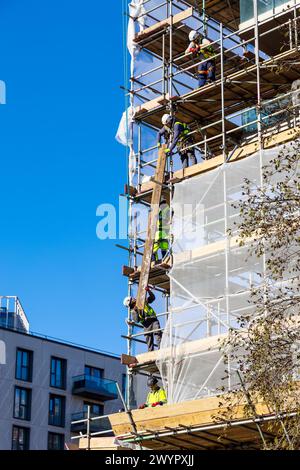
(149, 312)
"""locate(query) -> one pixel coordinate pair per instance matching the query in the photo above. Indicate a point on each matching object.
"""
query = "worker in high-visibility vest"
(176, 134)
(157, 395)
(161, 241)
(202, 48)
(147, 318)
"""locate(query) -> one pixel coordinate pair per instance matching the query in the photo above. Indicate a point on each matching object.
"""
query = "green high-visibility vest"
(149, 312)
(162, 232)
(185, 131)
(208, 52)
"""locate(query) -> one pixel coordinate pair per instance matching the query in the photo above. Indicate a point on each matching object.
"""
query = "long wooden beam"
(152, 226)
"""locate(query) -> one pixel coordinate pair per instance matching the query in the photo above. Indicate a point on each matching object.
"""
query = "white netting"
(210, 278)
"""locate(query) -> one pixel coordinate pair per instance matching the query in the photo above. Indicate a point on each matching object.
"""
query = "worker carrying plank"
(161, 241)
(201, 48)
(176, 134)
(157, 395)
(147, 318)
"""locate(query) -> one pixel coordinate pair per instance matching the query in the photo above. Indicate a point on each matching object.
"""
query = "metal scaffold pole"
(257, 63)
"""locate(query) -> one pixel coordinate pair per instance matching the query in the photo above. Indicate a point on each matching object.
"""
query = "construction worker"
(176, 134)
(161, 241)
(147, 318)
(157, 395)
(202, 48)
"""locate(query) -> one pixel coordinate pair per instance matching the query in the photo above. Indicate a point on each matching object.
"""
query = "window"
(94, 372)
(24, 364)
(96, 409)
(58, 372)
(20, 438)
(56, 441)
(57, 406)
(124, 385)
(22, 405)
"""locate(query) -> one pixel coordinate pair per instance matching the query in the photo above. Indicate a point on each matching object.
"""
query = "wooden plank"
(130, 190)
(224, 12)
(235, 437)
(152, 104)
(127, 271)
(189, 413)
(128, 360)
(198, 168)
(157, 275)
(152, 225)
(174, 20)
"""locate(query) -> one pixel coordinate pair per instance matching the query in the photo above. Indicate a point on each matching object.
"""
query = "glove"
(155, 404)
(246, 54)
(147, 289)
(168, 151)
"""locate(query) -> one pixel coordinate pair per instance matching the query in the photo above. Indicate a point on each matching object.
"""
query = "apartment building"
(45, 384)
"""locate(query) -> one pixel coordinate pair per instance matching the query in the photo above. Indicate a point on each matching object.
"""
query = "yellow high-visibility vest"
(156, 396)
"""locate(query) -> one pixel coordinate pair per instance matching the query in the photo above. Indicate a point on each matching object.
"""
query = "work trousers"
(207, 71)
(151, 324)
(188, 157)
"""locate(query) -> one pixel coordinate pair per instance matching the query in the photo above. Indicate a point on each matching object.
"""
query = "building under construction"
(236, 124)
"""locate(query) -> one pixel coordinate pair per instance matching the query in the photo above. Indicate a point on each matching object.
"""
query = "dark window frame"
(28, 405)
(29, 367)
(91, 404)
(27, 437)
(64, 372)
(93, 368)
(62, 443)
(53, 396)
(124, 385)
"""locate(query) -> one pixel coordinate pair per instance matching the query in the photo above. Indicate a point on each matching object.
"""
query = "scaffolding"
(252, 105)
(237, 124)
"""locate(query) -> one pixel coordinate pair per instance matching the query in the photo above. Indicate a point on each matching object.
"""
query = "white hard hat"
(127, 301)
(166, 118)
(193, 35)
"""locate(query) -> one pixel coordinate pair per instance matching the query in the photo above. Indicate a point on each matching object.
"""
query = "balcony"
(100, 425)
(94, 387)
(12, 315)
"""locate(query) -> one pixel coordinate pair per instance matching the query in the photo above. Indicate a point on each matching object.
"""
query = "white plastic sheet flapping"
(210, 279)
(136, 23)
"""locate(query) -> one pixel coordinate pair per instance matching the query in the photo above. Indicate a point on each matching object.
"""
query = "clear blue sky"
(62, 62)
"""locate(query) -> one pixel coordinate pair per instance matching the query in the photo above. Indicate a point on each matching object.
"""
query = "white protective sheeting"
(210, 279)
(136, 23)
